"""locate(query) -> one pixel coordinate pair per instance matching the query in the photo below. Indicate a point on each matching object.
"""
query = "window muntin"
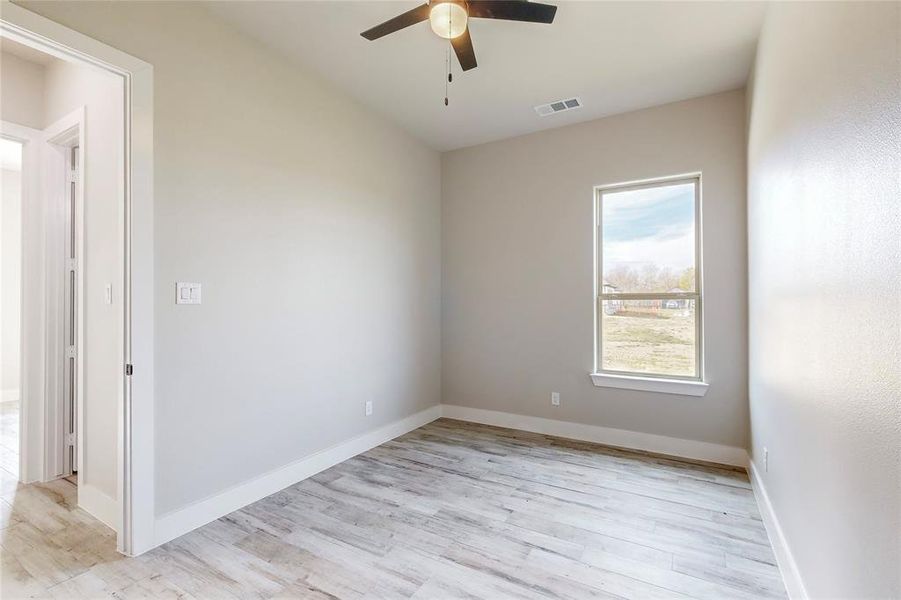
(649, 288)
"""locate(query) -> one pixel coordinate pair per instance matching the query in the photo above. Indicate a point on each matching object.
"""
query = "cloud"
(676, 253)
(649, 226)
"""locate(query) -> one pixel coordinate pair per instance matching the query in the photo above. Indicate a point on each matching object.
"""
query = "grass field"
(654, 341)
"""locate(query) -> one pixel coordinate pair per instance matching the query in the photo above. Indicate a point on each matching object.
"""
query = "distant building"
(611, 307)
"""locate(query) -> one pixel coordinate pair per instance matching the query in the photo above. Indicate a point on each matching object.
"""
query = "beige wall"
(314, 227)
(22, 91)
(824, 222)
(518, 268)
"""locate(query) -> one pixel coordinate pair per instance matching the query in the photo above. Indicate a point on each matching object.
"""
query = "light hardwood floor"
(451, 510)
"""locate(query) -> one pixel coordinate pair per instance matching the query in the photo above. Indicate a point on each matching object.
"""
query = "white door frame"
(136, 407)
(60, 137)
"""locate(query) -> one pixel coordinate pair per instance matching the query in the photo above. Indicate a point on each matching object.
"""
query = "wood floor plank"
(450, 510)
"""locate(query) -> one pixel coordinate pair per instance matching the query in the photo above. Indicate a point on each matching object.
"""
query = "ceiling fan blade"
(411, 17)
(512, 10)
(463, 48)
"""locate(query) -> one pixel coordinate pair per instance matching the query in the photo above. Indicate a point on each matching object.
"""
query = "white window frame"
(655, 382)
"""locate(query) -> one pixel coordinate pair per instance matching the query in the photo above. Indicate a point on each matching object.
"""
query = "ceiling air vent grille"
(544, 110)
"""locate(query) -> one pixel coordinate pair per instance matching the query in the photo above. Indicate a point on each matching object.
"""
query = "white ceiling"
(616, 56)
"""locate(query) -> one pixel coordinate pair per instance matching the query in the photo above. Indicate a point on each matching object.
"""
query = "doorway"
(21, 290)
(71, 344)
(115, 469)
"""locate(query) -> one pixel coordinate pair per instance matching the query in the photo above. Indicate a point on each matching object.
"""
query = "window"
(649, 284)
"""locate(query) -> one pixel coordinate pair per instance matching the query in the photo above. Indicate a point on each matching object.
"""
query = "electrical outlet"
(555, 398)
(369, 408)
(766, 460)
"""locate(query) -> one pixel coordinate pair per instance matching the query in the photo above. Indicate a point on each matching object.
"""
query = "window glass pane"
(649, 336)
(648, 239)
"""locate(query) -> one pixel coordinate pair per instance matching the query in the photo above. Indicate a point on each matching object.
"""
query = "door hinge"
(72, 264)
(129, 370)
(70, 351)
(73, 176)
(70, 439)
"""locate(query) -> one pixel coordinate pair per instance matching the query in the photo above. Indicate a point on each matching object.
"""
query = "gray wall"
(518, 267)
(824, 220)
(314, 227)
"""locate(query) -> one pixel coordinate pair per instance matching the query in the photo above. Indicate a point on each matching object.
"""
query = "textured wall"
(824, 216)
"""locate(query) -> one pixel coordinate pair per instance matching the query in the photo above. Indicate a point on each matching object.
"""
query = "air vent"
(558, 106)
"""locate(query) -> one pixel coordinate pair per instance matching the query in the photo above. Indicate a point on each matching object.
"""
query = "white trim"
(621, 438)
(791, 576)
(9, 395)
(59, 138)
(649, 384)
(183, 520)
(98, 504)
(136, 474)
(696, 179)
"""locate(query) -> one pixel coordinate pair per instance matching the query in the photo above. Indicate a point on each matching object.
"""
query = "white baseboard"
(727, 455)
(9, 395)
(99, 505)
(794, 585)
(181, 521)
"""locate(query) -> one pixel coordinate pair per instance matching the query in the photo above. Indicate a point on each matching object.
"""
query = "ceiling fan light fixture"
(448, 19)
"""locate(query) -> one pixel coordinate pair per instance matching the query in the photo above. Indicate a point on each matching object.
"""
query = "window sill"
(648, 384)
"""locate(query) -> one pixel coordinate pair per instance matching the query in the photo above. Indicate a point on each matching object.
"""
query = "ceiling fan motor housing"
(448, 18)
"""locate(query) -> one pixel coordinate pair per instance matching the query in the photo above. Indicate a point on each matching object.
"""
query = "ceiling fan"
(449, 19)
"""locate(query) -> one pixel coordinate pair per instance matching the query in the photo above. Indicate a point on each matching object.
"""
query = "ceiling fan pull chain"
(447, 65)
(448, 61)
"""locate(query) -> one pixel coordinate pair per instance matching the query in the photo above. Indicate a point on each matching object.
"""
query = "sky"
(649, 226)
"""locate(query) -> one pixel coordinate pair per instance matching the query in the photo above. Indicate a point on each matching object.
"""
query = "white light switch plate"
(187, 293)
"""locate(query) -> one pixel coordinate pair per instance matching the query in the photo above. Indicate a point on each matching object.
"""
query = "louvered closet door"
(70, 412)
